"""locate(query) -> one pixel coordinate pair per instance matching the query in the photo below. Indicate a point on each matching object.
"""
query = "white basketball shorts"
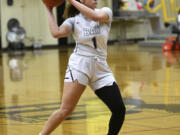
(92, 71)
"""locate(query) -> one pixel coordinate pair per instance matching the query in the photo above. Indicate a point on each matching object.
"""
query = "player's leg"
(111, 96)
(71, 94)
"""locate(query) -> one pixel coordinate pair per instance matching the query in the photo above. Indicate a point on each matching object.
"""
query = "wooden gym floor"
(149, 82)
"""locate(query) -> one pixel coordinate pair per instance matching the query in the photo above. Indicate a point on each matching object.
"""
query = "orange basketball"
(53, 3)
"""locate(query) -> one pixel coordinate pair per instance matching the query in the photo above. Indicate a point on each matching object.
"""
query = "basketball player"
(87, 64)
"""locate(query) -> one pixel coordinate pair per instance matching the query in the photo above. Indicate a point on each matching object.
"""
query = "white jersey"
(91, 37)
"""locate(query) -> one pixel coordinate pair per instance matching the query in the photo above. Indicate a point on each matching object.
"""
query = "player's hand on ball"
(50, 8)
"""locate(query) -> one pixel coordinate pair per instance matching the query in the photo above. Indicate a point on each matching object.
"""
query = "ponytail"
(72, 11)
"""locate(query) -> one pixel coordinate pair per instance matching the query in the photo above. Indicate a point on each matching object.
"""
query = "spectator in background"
(152, 3)
(139, 5)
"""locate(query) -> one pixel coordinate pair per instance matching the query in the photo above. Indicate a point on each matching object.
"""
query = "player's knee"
(119, 110)
(65, 111)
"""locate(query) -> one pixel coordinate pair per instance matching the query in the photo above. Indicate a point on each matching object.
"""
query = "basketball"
(53, 3)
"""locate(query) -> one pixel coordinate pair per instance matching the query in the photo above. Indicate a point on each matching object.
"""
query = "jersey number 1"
(94, 42)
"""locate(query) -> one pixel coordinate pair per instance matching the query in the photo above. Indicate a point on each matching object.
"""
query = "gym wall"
(32, 16)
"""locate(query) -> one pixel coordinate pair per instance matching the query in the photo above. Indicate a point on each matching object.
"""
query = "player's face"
(90, 3)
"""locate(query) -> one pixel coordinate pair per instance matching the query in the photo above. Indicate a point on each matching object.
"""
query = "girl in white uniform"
(87, 65)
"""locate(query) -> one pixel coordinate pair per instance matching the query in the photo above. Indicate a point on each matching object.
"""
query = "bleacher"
(149, 23)
(132, 19)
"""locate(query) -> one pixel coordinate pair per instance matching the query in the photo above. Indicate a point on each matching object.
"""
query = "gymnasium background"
(129, 23)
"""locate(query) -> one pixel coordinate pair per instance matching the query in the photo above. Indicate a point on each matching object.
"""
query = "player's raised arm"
(56, 31)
